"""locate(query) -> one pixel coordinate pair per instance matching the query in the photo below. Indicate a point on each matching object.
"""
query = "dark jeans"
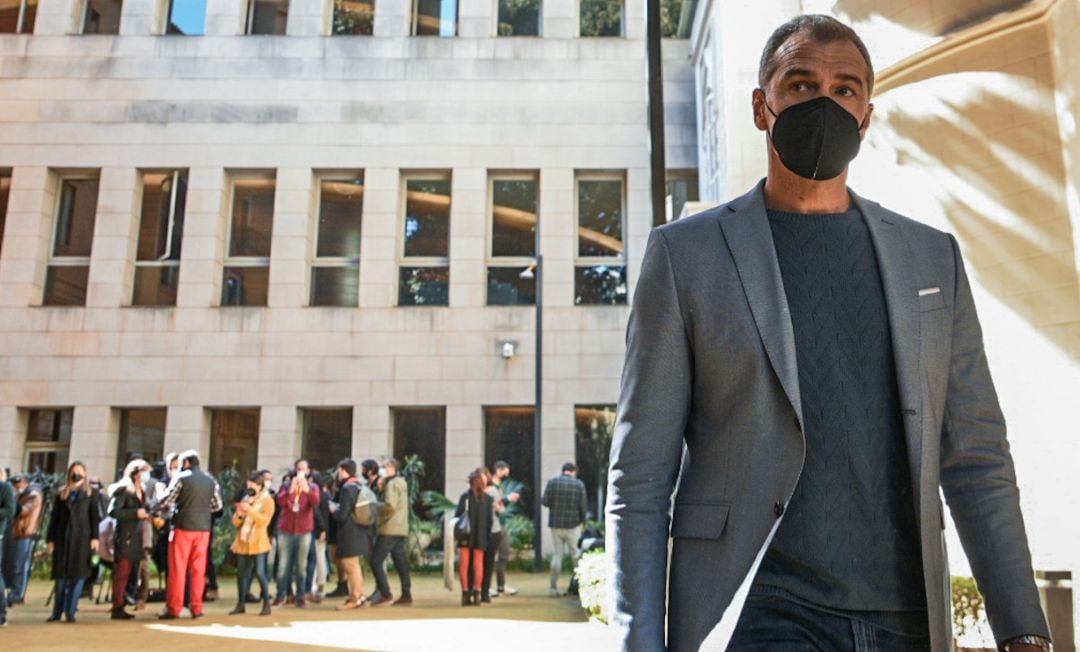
(66, 599)
(771, 623)
(494, 541)
(248, 566)
(393, 546)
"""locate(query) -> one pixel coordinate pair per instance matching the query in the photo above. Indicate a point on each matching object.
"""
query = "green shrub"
(521, 532)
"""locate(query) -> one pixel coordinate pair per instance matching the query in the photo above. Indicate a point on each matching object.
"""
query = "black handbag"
(462, 530)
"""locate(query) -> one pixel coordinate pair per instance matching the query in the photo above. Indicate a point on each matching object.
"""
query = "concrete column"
(188, 427)
(634, 19)
(279, 437)
(27, 232)
(226, 17)
(467, 237)
(58, 17)
(559, 19)
(379, 243)
(143, 17)
(95, 432)
(294, 201)
(372, 432)
(464, 445)
(309, 17)
(112, 267)
(475, 19)
(203, 249)
(392, 17)
(13, 422)
(558, 235)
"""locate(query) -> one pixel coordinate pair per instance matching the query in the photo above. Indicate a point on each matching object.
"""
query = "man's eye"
(846, 92)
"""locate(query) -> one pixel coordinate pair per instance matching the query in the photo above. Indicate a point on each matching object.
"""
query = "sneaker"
(278, 602)
(300, 603)
(120, 614)
(196, 616)
(508, 590)
(554, 593)
(382, 599)
(166, 615)
(341, 591)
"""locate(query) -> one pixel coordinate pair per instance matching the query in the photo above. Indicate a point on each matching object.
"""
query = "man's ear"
(866, 120)
(757, 102)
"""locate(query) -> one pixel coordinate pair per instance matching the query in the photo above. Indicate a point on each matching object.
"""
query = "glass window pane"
(424, 286)
(519, 17)
(354, 17)
(5, 193)
(600, 218)
(187, 17)
(102, 17)
(245, 286)
(156, 240)
(513, 217)
(252, 217)
(422, 432)
(48, 462)
(234, 440)
(50, 426)
(66, 286)
(435, 18)
(142, 435)
(327, 437)
(507, 288)
(601, 285)
(508, 436)
(335, 286)
(601, 17)
(670, 17)
(29, 14)
(427, 217)
(156, 286)
(74, 230)
(268, 17)
(341, 208)
(593, 428)
(680, 189)
(9, 16)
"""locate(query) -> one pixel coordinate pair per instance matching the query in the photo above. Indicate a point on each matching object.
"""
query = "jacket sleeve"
(646, 451)
(349, 496)
(51, 533)
(122, 508)
(461, 505)
(7, 502)
(95, 515)
(979, 480)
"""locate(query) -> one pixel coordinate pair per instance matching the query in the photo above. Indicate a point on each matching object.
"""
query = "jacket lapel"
(746, 230)
(902, 303)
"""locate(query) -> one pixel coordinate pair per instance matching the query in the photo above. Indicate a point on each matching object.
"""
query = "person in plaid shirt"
(565, 499)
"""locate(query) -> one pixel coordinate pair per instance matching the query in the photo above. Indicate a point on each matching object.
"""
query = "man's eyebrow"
(855, 79)
(806, 72)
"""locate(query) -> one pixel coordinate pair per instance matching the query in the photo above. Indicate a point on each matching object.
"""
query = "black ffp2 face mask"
(815, 139)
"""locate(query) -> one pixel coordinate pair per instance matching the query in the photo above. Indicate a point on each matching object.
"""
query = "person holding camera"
(252, 543)
(297, 500)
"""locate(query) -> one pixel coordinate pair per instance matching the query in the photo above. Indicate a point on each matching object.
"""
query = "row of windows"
(334, 256)
(348, 17)
(326, 437)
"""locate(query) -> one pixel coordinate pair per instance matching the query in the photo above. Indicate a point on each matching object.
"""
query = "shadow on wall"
(933, 17)
(991, 142)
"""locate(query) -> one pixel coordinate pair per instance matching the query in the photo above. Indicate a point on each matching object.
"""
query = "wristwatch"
(1039, 641)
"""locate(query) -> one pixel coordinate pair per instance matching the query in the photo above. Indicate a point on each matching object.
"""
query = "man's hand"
(242, 507)
(322, 537)
(514, 497)
(94, 546)
(142, 514)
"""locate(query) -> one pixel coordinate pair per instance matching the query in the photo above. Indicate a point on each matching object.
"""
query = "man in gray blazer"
(808, 368)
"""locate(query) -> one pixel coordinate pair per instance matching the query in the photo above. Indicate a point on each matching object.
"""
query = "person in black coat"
(128, 505)
(72, 539)
(480, 509)
(353, 539)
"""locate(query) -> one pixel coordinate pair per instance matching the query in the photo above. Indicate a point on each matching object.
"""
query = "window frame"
(166, 20)
(595, 261)
(622, 23)
(249, 21)
(20, 20)
(490, 259)
(31, 447)
(303, 412)
(414, 20)
(176, 174)
(247, 262)
(690, 176)
(333, 262)
(434, 262)
(539, 22)
(86, 13)
(52, 260)
(123, 434)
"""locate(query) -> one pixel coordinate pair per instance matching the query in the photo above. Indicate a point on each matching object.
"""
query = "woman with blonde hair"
(72, 539)
(252, 542)
(128, 505)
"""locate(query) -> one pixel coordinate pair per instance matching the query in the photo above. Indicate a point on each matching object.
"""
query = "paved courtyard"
(435, 622)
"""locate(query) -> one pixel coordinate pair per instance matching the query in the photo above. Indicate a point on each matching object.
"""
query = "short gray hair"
(820, 28)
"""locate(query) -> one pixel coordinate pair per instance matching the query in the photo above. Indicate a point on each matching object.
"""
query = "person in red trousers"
(195, 497)
(480, 510)
(127, 504)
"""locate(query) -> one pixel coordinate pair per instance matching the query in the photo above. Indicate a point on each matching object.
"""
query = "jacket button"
(778, 509)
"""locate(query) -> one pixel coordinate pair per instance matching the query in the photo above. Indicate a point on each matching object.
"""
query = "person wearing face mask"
(128, 505)
(72, 539)
(25, 530)
(806, 369)
(252, 543)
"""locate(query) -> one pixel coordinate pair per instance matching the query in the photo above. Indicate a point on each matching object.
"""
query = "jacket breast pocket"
(931, 301)
(699, 520)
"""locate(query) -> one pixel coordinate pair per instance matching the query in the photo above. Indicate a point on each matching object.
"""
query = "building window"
(335, 269)
(672, 19)
(246, 279)
(101, 17)
(142, 435)
(161, 231)
(602, 18)
(435, 18)
(600, 270)
(234, 440)
(424, 274)
(17, 16)
(519, 18)
(267, 17)
(354, 17)
(187, 17)
(514, 202)
(421, 431)
(73, 233)
(682, 186)
(327, 437)
(593, 428)
(508, 436)
(5, 194)
(48, 438)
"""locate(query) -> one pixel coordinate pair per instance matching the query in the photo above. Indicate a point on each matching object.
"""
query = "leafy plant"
(352, 17)
(512, 486)
(436, 505)
(224, 530)
(592, 581)
(521, 532)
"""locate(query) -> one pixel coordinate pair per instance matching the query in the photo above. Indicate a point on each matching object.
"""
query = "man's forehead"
(803, 52)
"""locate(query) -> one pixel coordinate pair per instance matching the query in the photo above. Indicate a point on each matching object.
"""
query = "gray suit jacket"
(710, 364)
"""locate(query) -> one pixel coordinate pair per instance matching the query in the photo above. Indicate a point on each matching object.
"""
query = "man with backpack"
(393, 533)
(355, 517)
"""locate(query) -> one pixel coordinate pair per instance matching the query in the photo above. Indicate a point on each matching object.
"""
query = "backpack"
(364, 511)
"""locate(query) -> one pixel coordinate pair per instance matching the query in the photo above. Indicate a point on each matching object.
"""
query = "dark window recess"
(353, 18)
(508, 436)
(327, 437)
(421, 431)
(593, 429)
(142, 435)
(424, 286)
(506, 287)
(600, 285)
(234, 440)
(519, 17)
(245, 286)
(335, 286)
